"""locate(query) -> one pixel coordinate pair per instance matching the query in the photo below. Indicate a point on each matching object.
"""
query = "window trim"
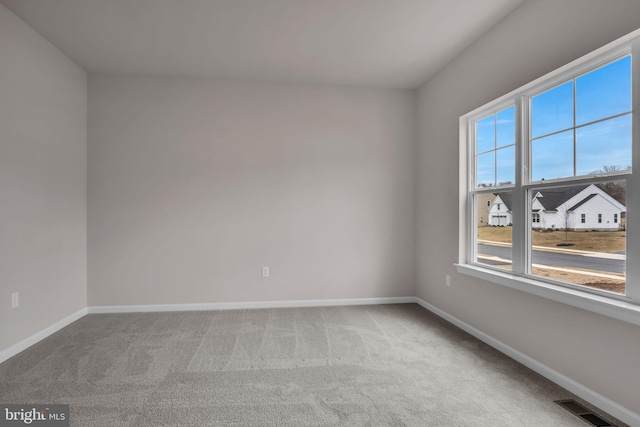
(621, 307)
(617, 309)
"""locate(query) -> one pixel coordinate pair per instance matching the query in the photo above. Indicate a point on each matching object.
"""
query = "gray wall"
(196, 184)
(42, 182)
(598, 352)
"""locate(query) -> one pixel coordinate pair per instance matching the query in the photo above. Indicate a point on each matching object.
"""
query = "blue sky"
(496, 135)
(600, 94)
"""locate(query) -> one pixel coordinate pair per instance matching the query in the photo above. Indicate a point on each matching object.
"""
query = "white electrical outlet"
(447, 280)
(15, 300)
(265, 271)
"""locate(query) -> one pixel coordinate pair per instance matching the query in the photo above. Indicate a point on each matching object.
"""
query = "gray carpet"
(388, 365)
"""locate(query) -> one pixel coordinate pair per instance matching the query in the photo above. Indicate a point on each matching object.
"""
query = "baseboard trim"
(620, 412)
(39, 336)
(248, 305)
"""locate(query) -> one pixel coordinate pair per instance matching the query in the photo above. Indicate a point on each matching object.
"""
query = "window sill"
(620, 310)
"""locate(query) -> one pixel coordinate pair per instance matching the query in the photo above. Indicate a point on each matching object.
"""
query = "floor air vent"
(584, 413)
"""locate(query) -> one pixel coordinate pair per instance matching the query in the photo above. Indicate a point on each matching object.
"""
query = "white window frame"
(621, 307)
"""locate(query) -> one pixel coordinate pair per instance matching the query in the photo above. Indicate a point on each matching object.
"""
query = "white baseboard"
(621, 413)
(39, 336)
(248, 305)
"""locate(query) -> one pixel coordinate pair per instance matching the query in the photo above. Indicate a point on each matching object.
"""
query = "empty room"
(319, 212)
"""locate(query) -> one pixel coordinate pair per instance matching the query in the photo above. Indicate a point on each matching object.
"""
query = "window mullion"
(575, 136)
(495, 147)
(633, 184)
(519, 241)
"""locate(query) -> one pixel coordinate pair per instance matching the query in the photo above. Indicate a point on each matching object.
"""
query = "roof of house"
(506, 199)
(553, 198)
(582, 202)
(550, 199)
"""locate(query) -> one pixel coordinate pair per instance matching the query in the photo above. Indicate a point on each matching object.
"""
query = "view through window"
(576, 157)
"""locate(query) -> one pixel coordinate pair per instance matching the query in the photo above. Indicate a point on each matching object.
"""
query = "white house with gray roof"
(584, 207)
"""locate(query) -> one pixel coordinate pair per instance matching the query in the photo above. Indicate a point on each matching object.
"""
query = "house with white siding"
(500, 210)
(585, 207)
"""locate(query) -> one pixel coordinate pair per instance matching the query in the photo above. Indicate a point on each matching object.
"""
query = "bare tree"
(616, 189)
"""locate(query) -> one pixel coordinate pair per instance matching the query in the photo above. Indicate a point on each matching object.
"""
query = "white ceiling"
(381, 43)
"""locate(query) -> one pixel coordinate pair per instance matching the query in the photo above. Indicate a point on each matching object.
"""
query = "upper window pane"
(604, 146)
(486, 134)
(552, 111)
(600, 134)
(604, 92)
(552, 156)
(495, 139)
(486, 169)
(506, 127)
(506, 165)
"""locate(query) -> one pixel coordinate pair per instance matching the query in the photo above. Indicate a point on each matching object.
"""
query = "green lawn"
(596, 241)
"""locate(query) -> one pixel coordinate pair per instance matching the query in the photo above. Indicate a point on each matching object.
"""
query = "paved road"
(560, 259)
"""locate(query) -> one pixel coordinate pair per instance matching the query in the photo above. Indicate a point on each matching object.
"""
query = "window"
(557, 153)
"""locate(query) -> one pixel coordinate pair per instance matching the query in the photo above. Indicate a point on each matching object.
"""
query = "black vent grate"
(584, 413)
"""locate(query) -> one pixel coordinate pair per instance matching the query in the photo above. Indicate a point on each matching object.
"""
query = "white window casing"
(623, 307)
